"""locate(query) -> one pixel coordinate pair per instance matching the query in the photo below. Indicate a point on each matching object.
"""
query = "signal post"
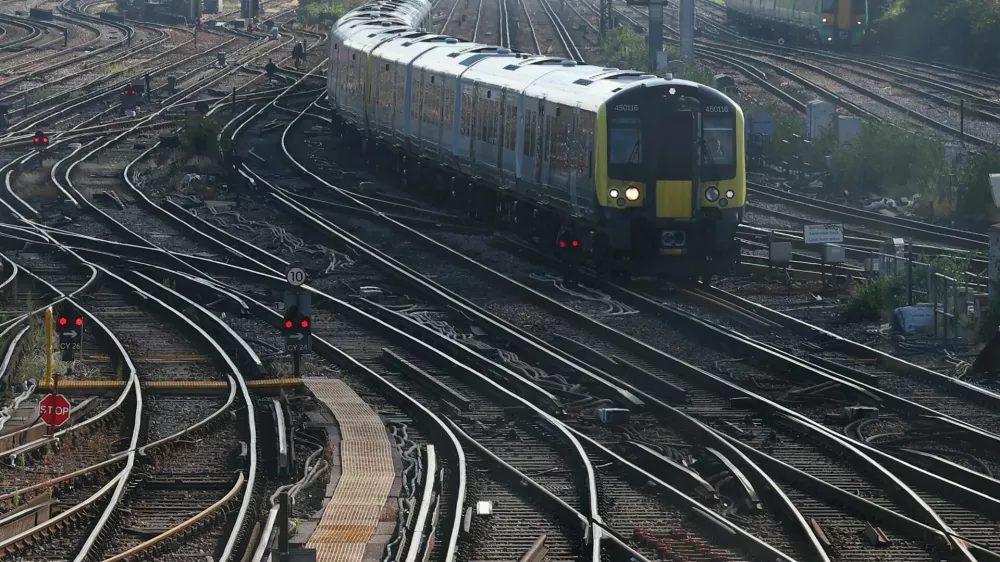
(297, 321)
(54, 409)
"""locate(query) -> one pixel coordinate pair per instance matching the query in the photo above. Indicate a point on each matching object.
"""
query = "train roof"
(390, 30)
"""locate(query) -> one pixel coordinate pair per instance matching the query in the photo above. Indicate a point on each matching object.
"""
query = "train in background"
(627, 172)
(833, 23)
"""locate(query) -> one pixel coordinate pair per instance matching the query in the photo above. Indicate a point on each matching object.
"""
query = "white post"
(994, 271)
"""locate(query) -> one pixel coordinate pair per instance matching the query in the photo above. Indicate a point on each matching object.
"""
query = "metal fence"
(951, 300)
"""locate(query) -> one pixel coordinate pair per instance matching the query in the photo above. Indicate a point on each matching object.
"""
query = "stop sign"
(54, 409)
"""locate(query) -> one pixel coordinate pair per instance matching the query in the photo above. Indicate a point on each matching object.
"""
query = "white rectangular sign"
(823, 233)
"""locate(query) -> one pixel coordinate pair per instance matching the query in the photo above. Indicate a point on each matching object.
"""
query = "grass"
(31, 361)
(116, 67)
(36, 184)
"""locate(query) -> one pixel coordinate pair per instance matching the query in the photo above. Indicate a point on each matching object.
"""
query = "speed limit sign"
(295, 275)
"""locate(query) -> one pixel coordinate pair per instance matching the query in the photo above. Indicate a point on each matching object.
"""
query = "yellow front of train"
(671, 178)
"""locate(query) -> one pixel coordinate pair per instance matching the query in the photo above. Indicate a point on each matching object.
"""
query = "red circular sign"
(54, 409)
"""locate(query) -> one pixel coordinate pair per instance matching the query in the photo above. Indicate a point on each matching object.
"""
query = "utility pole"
(607, 17)
(686, 16)
(655, 32)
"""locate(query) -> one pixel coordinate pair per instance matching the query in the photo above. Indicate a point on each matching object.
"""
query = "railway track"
(156, 513)
(594, 344)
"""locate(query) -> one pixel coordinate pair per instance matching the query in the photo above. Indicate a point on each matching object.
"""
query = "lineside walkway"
(351, 518)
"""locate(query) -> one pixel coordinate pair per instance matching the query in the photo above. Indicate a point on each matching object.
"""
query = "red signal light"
(45, 140)
(62, 321)
(562, 243)
(576, 243)
(133, 92)
(289, 324)
(79, 321)
(305, 323)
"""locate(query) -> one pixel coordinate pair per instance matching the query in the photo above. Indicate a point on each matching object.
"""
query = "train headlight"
(613, 193)
(632, 193)
(712, 194)
(826, 20)
(730, 194)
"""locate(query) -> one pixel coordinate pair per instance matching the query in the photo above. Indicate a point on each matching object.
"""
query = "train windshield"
(859, 7)
(625, 141)
(829, 6)
(718, 147)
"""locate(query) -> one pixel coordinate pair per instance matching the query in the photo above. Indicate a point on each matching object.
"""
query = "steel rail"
(179, 529)
(418, 536)
(131, 385)
(346, 361)
(306, 214)
(571, 49)
(906, 494)
(479, 18)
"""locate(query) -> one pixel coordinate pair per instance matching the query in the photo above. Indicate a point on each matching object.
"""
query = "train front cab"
(843, 22)
(663, 213)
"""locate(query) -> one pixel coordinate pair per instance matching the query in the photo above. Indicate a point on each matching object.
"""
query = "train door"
(502, 132)
(573, 143)
(477, 120)
(509, 148)
(546, 117)
(466, 111)
(418, 97)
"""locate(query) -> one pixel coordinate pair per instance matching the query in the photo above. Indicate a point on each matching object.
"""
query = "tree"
(965, 32)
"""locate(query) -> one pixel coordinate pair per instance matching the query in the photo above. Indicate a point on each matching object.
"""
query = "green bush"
(323, 13)
(201, 135)
(974, 197)
(874, 300)
(883, 159)
(625, 48)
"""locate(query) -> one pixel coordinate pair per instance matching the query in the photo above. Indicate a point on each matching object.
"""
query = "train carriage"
(834, 23)
(640, 174)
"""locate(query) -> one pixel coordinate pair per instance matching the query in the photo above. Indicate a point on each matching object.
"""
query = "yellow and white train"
(627, 171)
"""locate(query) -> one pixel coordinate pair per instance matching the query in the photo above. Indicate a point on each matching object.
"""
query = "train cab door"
(546, 117)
